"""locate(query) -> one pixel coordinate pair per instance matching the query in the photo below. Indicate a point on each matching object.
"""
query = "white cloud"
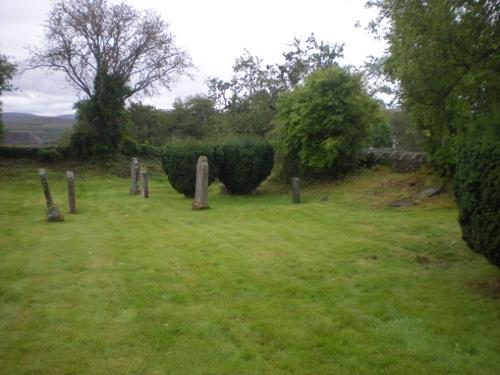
(214, 32)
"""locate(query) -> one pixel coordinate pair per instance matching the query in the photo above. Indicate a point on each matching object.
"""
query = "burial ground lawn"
(254, 285)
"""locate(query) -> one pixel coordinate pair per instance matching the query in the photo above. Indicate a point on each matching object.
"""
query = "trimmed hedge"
(240, 165)
(179, 162)
(477, 190)
(244, 165)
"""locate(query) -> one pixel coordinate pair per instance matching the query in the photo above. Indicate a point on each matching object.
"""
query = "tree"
(149, 125)
(249, 99)
(445, 57)
(109, 52)
(192, 117)
(7, 71)
(324, 123)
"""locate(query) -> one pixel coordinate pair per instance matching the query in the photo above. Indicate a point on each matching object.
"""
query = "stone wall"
(398, 160)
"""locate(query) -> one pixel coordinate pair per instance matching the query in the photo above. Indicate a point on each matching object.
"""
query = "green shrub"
(130, 147)
(179, 162)
(245, 164)
(83, 144)
(477, 189)
(324, 123)
(49, 155)
(8, 152)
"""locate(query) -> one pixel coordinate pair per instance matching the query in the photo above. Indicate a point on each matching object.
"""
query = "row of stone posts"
(139, 185)
(53, 213)
(138, 179)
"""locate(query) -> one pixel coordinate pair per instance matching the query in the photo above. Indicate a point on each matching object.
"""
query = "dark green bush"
(49, 155)
(477, 189)
(8, 152)
(130, 147)
(179, 162)
(245, 164)
(83, 144)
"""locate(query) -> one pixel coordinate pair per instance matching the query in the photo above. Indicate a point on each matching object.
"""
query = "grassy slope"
(254, 285)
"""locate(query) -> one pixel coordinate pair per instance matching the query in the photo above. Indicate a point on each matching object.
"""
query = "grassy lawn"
(255, 285)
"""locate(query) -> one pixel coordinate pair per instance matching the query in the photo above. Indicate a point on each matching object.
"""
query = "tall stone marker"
(52, 211)
(295, 190)
(70, 177)
(134, 177)
(144, 182)
(201, 192)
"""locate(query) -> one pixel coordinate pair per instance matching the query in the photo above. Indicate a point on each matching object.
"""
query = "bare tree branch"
(90, 40)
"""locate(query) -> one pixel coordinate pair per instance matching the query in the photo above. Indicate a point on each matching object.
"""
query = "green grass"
(255, 285)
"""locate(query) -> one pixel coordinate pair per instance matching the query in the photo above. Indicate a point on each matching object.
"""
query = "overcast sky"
(214, 32)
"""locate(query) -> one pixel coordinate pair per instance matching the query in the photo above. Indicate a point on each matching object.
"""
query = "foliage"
(191, 117)
(248, 100)
(324, 123)
(46, 154)
(445, 56)
(380, 132)
(103, 115)
(109, 52)
(149, 125)
(244, 164)
(477, 189)
(7, 70)
(179, 161)
(130, 146)
(406, 136)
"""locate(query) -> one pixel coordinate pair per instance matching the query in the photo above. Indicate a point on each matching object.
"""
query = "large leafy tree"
(324, 123)
(7, 70)
(444, 56)
(248, 100)
(109, 52)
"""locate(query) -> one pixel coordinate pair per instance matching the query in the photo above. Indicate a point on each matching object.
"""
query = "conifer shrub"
(179, 163)
(477, 190)
(245, 164)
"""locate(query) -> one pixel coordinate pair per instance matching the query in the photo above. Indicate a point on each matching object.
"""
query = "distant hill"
(48, 128)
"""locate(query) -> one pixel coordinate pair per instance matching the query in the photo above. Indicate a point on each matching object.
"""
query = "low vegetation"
(253, 285)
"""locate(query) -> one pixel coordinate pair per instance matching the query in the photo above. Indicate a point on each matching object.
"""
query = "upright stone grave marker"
(201, 191)
(295, 190)
(52, 211)
(70, 177)
(144, 182)
(134, 177)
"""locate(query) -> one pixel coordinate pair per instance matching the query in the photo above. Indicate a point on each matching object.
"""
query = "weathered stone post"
(295, 190)
(52, 211)
(134, 177)
(144, 182)
(201, 192)
(70, 177)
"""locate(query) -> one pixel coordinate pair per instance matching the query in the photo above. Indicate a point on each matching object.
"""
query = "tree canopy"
(324, 123)
(7, 70)
(445, 57)
(89, 40)
(109, 52)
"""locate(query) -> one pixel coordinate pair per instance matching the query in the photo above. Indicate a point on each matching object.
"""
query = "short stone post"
(201, 191)
(295, 190)
(70, 177)
(52, 211)
(134, 177)
(144, 182)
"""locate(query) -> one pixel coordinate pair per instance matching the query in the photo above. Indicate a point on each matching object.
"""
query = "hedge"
(477, 190)
(179, 163)
(244, 165)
